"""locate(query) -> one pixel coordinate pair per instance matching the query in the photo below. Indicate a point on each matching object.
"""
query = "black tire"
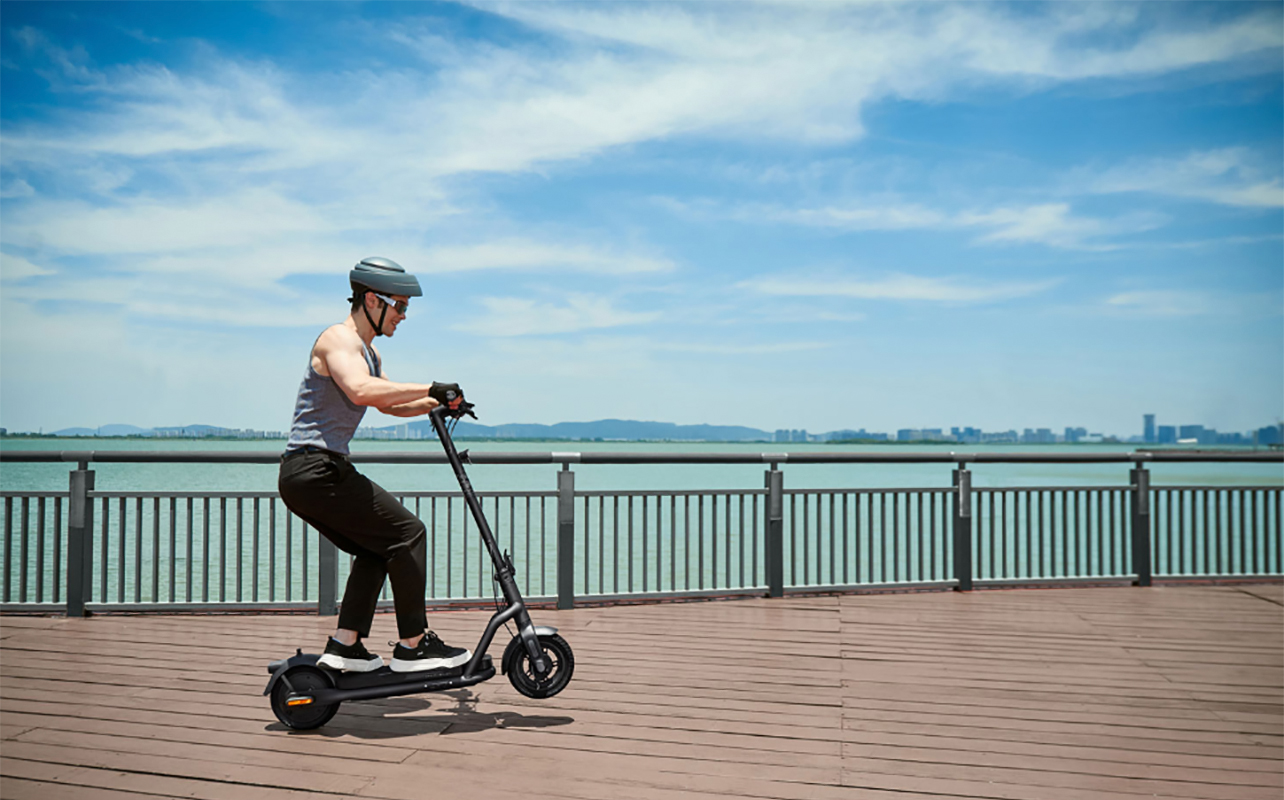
(306, 717)
(522, 674)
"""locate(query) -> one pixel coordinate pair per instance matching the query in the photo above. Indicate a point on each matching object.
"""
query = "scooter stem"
(503, 566)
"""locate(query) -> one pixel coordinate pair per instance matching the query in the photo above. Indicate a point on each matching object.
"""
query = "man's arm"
(414, 408)
(339, 351)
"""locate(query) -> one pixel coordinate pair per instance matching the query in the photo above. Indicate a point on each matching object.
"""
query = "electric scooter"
(538, 662)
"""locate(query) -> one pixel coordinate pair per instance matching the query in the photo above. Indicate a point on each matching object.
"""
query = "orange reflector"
(298, 701)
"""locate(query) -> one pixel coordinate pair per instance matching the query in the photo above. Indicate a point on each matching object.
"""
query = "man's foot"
(349, 657)
(430, 653)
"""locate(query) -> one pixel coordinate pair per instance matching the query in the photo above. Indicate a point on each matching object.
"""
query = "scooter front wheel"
(291, 701)
(521, 672)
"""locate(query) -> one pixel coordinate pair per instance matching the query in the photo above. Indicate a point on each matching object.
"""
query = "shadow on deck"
(1039, 694)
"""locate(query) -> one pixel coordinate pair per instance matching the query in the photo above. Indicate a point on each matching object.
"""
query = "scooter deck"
(383, 682)
(384, 676)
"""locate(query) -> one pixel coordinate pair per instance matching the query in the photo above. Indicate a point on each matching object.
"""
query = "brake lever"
(465, 407)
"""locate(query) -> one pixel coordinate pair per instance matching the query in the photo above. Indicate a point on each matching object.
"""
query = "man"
(319, 484)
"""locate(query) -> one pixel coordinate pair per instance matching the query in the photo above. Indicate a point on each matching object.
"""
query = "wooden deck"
(1042, 694)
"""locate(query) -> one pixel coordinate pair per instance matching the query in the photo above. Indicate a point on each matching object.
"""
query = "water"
(234, 550)
(542, 477)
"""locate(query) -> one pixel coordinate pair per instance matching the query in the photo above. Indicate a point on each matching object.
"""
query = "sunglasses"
(399, 305)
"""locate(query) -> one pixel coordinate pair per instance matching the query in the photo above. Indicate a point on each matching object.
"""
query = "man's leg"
(406, 563)
(361, 596)
(365, 581)
(361, 518)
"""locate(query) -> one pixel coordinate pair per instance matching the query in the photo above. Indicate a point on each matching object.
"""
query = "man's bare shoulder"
(338, 338)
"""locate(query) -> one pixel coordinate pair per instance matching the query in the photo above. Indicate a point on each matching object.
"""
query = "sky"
(822, 216)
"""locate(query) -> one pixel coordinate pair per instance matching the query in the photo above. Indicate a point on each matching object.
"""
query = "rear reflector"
(298, 701)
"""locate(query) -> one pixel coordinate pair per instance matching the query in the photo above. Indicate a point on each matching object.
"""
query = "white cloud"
(741, 349)
(896, 287)
(800, 72)
(16, 188)
(886, 217)
(1050, 224)
(1231, 176)
(1161, 303)
(250, 217)
(1192, 303)
(15, 268)
(1054, 225)
(526, 254)
(251, 153)
(515, 316)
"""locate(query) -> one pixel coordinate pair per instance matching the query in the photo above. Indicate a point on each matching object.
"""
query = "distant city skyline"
(419, 429)
(773, 215)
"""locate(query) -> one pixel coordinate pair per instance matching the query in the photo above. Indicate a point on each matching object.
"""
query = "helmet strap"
(378, 329)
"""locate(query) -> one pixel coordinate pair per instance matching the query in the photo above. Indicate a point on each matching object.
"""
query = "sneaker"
(430, 653)
(349, 658)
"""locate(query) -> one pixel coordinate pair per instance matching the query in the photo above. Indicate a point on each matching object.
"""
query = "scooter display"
(538, 662)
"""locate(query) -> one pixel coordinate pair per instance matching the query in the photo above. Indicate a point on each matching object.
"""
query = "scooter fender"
(510, 652)
(278, 668)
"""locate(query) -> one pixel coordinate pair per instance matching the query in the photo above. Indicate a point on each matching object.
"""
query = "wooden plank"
(1064, 694)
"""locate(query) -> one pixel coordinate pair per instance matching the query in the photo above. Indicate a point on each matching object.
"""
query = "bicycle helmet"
(382, 275)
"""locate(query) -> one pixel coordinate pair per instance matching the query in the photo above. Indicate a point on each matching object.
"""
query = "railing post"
(963, 528)
(80, 541)
(328, 580)
(775, 534)
(1140, 477)
(566, 537)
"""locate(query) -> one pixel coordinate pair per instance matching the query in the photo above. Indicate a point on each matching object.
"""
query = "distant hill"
(608, 429)
(621, 429)
(188, 430)
(106, 430)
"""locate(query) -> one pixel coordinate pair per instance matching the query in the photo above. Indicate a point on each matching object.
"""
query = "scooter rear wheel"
(521, 673)
(304, 680)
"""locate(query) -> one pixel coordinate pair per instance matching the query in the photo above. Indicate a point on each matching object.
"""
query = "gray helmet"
(384, 276)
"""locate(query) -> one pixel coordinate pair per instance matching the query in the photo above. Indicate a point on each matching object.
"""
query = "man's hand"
(447, 394)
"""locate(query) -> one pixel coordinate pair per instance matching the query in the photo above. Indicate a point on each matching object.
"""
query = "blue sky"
(798, 215)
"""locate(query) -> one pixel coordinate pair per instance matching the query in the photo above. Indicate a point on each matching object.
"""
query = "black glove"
(448, 394)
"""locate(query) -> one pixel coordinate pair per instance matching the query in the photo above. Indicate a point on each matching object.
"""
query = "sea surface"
(496, 477)
(232, 550)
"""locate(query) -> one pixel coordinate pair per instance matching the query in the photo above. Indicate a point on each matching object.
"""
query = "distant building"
(1271, 434)
(908, 435)
(1190, 432)
(782, 435)
(1149, 428)
(1167, 434)
(1001, 436)
(935, 435)
(1039, 436)
(850, 434)
(1075, 434)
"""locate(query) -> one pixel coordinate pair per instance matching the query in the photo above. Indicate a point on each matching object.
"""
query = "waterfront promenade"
(1046, 694)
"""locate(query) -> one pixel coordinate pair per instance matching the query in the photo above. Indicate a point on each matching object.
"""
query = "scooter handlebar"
(464, 408)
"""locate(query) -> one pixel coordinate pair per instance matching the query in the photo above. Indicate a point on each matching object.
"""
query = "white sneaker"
(349, 658)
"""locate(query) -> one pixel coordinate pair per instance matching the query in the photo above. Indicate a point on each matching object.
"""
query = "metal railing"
(154, 550)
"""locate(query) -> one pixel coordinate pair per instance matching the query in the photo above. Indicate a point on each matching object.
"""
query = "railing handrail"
(590, 457)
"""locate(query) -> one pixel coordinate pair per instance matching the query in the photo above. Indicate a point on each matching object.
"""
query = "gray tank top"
(323, 415)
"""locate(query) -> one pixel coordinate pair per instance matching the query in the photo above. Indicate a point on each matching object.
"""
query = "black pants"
(362, 519)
